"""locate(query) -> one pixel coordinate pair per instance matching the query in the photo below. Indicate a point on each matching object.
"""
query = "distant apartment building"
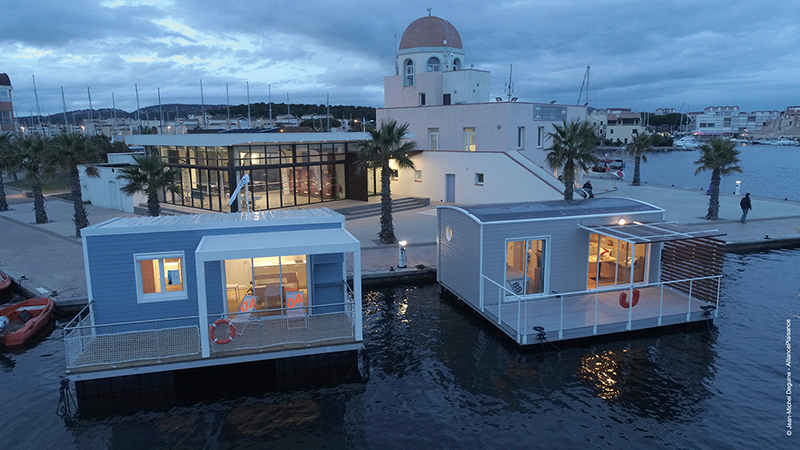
(729, 121)
(786, 125)
(619, 125)
(665, 111)
(6, 107)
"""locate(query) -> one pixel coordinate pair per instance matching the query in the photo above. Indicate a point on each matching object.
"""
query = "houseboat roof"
(557, 209)
(125, 225)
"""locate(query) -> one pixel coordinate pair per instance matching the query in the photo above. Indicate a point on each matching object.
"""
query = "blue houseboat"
(560, 270)
(178, 292)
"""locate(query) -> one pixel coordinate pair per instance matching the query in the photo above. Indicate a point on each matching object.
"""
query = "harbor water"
(437, 376)
(767, 171)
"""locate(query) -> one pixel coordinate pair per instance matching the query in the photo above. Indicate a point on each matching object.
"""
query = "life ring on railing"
(623, 299)
(213, 328)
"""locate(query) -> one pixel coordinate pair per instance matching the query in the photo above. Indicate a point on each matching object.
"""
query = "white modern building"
(730, 120)
(474, 148)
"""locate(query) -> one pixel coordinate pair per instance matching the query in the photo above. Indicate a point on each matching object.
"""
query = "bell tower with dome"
(431, 68)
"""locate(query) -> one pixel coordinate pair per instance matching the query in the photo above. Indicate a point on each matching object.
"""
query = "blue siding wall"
(215, 294)
(327, 281)
(112, 270)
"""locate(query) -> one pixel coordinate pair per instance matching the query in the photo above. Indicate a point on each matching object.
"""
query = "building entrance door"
(450, 187)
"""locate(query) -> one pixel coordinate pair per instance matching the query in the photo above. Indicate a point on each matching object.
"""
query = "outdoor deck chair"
(244, 312)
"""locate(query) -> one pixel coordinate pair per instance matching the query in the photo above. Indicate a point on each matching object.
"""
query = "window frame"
(162, 296)
(417, 175)
(408, 73)
(546, 242)
(479, 179)
(520, 137)
(473, 145)
(433, 132)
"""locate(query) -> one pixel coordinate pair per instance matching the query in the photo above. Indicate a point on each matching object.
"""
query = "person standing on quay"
(746, 207)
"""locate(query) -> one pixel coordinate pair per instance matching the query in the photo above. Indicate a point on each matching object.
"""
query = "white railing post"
(499, 306)
(596, 304)
(519, 320)
(561, 320)
(661, 305)
(525, 325)
(689, 305)
(630, 308)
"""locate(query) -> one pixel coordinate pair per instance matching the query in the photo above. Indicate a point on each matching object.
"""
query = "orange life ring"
(623, 299)
(213, 328)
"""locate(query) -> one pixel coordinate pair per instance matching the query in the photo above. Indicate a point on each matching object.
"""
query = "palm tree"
(150, 175)
(68, 151)
(387, 144)
(571, 150)
(5, 164)
(29, 152)
(637, 148)
(721, 158)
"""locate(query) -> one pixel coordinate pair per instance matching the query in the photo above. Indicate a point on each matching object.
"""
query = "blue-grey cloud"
(643, 55)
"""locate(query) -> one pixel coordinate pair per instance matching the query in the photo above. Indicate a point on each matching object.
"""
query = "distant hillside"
(182, 110)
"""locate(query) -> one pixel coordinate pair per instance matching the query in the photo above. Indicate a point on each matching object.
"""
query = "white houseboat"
(181, 292)
(560, 270)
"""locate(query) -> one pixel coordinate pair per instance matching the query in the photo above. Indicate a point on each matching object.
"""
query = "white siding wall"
(459, 261)
(505, 180)
(104, 190)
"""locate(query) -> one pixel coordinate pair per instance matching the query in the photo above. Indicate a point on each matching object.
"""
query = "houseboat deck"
(590, 313)
(92, 349)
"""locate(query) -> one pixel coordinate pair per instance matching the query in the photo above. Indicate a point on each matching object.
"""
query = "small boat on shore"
(608, 168)
(20, 321)
(5, 287)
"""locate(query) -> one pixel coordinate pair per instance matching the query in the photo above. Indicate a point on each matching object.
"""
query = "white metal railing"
(285, 326)
(89, 345)
(112, 344)
(523, 303)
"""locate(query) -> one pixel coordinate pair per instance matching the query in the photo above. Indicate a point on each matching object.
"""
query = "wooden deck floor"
(89, 353)
(593, 314)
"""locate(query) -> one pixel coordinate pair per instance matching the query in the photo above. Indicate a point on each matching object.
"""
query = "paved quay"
(47, 259)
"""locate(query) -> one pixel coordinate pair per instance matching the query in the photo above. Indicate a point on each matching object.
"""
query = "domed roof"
(4, 80)
(430, 31)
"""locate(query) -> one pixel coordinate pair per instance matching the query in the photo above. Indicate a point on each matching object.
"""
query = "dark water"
(440, 378)
(767, 171)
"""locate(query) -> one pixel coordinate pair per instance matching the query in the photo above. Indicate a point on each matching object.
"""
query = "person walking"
(746, 207)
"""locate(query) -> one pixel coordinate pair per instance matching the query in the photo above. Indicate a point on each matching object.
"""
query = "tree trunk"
(636, 180)
(153, 207)
(38, 199)
(713, 201)
(3, 201)
(569, 181)
(387, 228)
(80, 217)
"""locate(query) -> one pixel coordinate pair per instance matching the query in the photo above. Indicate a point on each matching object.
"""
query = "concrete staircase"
(374, 209)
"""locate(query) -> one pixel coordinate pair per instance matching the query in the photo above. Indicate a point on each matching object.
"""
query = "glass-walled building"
(285, 169)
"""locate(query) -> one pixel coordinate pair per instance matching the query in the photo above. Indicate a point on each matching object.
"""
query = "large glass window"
(280, 284)
(525, 264)
(433, 64)
(159, 277)
(615, 261)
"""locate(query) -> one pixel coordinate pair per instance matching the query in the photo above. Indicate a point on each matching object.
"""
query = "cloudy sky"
(643, 54)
